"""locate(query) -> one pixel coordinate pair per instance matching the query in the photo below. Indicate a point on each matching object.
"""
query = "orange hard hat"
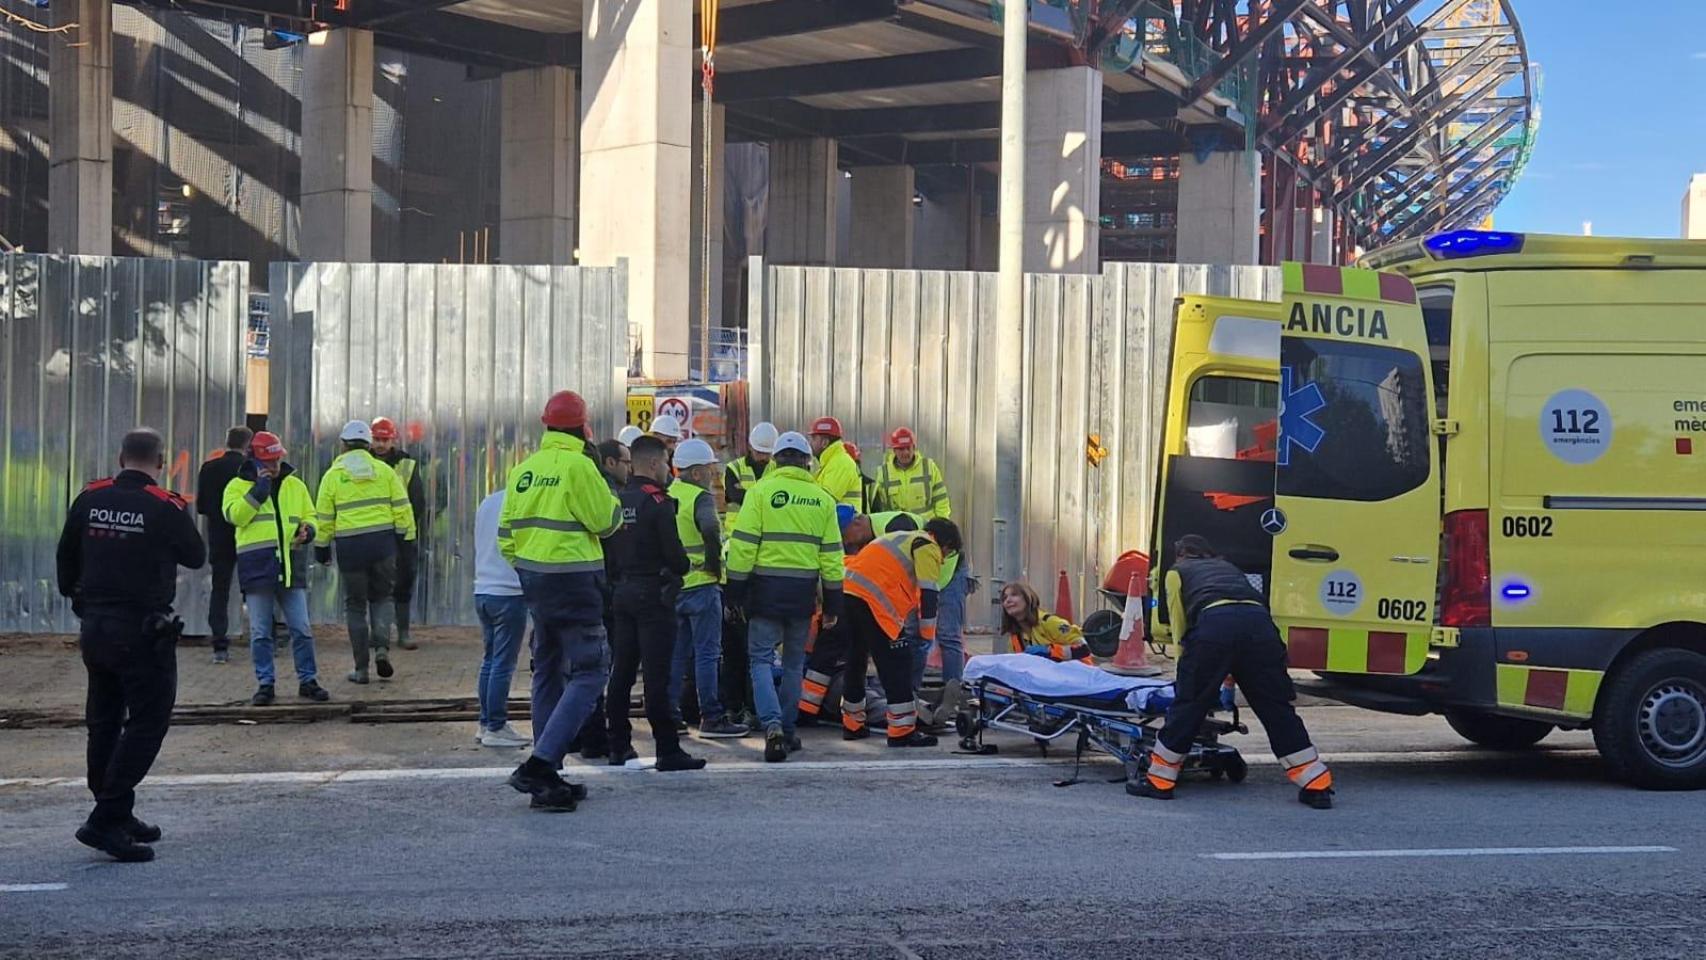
(383, 428)
(852, 449)
(902, 439)
(564, 411)
(267, 446)
(826, 427)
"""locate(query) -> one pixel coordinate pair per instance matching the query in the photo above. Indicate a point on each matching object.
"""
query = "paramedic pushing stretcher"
(1226, 629)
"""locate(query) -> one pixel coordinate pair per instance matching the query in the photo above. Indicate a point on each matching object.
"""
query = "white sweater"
(493, 576)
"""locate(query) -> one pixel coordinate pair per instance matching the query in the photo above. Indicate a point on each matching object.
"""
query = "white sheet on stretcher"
(1042, 677)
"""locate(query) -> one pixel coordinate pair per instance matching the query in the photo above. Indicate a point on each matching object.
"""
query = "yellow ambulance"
(1472, 481)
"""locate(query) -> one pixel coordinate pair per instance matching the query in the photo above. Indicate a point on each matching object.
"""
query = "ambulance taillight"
(1467, 600)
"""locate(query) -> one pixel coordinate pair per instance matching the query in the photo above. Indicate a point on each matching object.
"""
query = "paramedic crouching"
(1226, 629)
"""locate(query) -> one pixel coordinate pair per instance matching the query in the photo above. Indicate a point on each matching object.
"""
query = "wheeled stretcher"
(1079, 705)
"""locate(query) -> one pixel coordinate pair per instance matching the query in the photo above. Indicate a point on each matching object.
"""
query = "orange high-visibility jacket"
(896, 574)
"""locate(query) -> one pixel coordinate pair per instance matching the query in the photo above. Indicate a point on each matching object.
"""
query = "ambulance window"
(1436, 316)
(1361, 433)
(1232, 418)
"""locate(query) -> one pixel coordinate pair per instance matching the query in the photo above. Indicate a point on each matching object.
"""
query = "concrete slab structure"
(80, 129)
(800, 226)
(942, 232)
(636, 168)
(1219, 208)
(1063, 170)
(881, 229)
(1311, 236)
(337, 148)
(541, 166)
(716, 185)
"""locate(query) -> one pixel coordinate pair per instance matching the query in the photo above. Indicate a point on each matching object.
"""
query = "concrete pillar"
(1063, 170)
(1321, 247)
(1219, 208)
(337, 148)
(800, 224)
(540, 166)
(637, 65)
(718, 128)
(80, 129)
(941, 239)
(882, 217)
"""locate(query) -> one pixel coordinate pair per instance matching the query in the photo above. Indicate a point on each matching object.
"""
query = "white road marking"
(312, 777)
(32, 887)
(1440, 852)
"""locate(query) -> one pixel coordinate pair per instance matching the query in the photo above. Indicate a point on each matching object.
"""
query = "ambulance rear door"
(1355, 522)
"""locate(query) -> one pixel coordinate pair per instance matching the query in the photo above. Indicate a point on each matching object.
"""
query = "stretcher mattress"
(1081, 683)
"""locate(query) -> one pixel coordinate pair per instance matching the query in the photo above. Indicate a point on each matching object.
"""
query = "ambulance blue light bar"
(1459, 244)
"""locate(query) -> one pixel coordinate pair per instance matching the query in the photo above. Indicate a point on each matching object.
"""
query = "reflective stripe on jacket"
(1062, 638)
(361, 496)
(915, 489)
(896, 574)
(786, 542)
(557, 509)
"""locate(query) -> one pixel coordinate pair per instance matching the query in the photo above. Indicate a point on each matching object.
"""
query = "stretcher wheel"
(1236, 769)
(964, 725)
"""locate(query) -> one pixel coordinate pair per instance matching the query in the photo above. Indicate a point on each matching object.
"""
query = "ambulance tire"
(1668, 680)
(1498, 733)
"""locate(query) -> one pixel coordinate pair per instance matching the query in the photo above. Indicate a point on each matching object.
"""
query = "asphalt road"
(952, 857)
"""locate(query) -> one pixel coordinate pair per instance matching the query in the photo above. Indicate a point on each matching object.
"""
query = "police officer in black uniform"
(650, 562)
(123, 541)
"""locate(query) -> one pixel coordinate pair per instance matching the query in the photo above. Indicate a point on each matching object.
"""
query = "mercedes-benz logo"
(1273, 521)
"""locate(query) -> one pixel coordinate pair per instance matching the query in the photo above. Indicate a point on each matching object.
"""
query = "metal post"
(1010, 294)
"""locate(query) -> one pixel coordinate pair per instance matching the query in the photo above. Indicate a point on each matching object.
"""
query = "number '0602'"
(1410, 610)
(1517, 526)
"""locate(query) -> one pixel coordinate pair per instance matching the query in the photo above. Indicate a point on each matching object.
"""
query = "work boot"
(263, 696)
(620, 756)
(775, 746)
(142, 832)
(553, 800)
(403, 641)
(1141, 787)
(672, 762)
(313, 691)
(357, 676)
(916, 738)
(721, 729)
(1318, 799)
(221, 655)
(382, 663)
(535, 777)
(794, 745)
(859, 734)
(115, 842)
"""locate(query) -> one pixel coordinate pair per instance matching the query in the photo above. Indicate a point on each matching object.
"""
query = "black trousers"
(408, 562)
(1241, 640)
(735, 680)
(867, 643)
(369, 610)
(644, 641)
(219, 599)
(133, 685)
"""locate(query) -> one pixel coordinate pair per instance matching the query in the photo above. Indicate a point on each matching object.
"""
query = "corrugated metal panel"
(463, 357)
(90, 348)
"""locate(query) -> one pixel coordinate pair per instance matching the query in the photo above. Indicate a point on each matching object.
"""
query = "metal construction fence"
(463, 359)
(89, 348)
(883, 348)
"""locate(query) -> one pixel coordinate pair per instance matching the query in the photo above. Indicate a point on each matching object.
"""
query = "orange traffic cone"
(1063, 599)
(1131, 654)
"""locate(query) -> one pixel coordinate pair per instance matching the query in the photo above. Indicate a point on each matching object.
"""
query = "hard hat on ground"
(793, 441)
(384, 429)
(564, 411)
(852, 449)
(763, 437)
(902, 439)
(628, 434)
(267, 446)
(666, 427)
(694, 453)
(826, 427)
(355, 430)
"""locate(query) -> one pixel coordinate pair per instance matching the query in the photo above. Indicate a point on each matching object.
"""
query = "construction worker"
(836, 471)
(408, 551)
(650, 564)
(893, 577)
(364, 509)
(699, 608)
(616, 464)
(1226, 629)
(1029, 629)
(826, 653)
(221, 539)
(785, 546)
(911, 481)
(867, 485)
(557, 510)
(742, 473)
(269, 507)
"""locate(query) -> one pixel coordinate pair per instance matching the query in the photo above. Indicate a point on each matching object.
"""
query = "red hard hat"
(826, 427)
(564, 411)
(267, 446)
(902, 439)
(852, 448)
(383, 428)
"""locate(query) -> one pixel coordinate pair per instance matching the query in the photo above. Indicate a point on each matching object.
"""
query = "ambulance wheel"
(1651, 727)
(1498, 733)
(1237, 769)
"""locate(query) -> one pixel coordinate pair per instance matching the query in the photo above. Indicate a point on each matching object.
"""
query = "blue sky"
(1623, 116)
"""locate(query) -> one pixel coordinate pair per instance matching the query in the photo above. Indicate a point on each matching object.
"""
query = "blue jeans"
(950, 621)
(762, 636)
(699, 638)
(293, 603)
(503, 622)
(571, 660)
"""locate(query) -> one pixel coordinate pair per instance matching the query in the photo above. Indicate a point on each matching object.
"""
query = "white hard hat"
(795, 441)
(357, 430)
(694, 453)
(667, 427)
(763, 437)
(628, 434)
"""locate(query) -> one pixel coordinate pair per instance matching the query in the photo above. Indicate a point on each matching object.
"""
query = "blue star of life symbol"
(1296, 407)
